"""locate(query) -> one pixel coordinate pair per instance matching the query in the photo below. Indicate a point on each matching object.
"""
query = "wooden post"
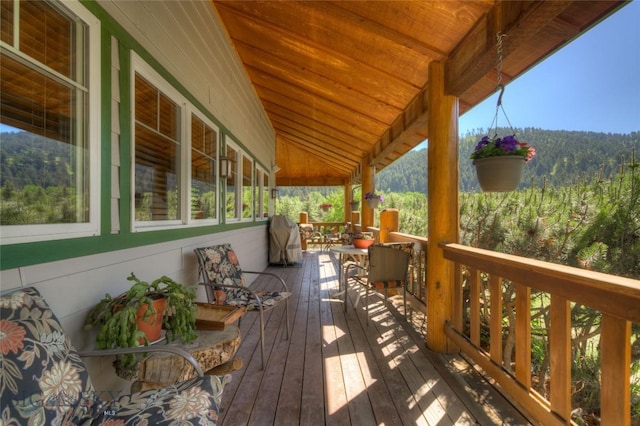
(443, 207)
(347, 201)
(304, 218)
(368, 185)
(389, 222)
(355, 220)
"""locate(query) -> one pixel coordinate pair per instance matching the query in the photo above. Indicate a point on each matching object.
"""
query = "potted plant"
(325, 206)
(354, 204)
(121, 320)
(499, 162)
(373, 199)
(362, 239)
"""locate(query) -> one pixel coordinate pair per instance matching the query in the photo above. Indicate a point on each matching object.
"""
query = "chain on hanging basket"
(499, 161)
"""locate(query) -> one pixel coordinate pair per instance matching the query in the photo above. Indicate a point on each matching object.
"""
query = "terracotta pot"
(360, 243)
(220, 296)
(152, 325)
(499, 174)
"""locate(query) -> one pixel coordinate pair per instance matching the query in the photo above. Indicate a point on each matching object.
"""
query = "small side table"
(211, 349)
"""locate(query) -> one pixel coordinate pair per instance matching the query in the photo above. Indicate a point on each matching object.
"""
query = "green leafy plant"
(116, 317)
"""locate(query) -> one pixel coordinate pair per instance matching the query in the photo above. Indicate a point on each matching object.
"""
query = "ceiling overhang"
(344, 83)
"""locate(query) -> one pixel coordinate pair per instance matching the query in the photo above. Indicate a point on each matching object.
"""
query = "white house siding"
(187, 39)
(73, 286)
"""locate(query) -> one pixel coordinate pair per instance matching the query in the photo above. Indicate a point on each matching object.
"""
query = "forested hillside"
(25, 157)
(563, 157)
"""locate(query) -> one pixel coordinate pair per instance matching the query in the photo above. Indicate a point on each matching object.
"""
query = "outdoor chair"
(220, 270)
(44, 381)
(388, 267)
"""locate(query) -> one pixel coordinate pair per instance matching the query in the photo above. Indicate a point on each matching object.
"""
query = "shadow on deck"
(336, 370)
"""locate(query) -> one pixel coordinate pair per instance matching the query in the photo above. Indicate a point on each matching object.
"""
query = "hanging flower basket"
(499, 161)
(373, 199)
(354, 205)
(499, 174)
(325, 207)
(373, 203)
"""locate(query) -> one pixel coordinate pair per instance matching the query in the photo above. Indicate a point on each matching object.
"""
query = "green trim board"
(105, 133)
(19, 255)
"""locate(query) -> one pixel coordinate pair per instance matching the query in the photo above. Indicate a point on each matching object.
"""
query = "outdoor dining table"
(347, 253)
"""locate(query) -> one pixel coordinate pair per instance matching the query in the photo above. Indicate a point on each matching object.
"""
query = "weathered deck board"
(337, 370)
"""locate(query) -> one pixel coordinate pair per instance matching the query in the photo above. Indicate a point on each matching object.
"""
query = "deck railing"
(494, 294)
(486, 277)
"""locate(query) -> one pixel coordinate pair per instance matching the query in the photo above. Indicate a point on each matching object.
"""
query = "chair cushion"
(191, 402)
(380, 285)
(268, 299)
(222, 268)
(43, 379)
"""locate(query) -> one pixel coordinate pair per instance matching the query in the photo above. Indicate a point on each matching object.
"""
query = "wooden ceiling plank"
(318, 128)
(333, 159)
(322, 111)
(321, 138)
(309, 65)
(312, 144)
(312, 119)
(373, 110)
(318, 25)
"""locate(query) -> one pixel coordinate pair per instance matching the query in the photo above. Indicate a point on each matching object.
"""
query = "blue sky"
(591, 84)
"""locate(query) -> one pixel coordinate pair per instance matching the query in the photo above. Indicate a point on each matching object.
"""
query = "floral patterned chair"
(388, 267)
(224, 280)
(43, 380)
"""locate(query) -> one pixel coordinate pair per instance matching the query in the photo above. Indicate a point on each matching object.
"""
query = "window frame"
(146, 71)
(206, 221)
(252, 187)
(261, 189)
(235, 179)
(14, 234)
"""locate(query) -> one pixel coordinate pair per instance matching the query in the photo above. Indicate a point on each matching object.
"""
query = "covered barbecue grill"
(284, 241)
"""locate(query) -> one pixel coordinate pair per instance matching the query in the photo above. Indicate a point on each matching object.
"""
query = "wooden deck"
(336, 370)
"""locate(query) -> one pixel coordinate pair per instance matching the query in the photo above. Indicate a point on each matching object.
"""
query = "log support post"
(389, 222)
(443, 207)
(347, 202)
(304, 218)
(368, 185)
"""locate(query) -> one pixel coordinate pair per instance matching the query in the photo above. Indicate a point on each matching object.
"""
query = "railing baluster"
(560, 352)
(495, 293)
(615, 370)
(523, 334)
(474, 305)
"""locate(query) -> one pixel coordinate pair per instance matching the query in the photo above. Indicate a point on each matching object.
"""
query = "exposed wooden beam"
(414, 130)
(477, 54)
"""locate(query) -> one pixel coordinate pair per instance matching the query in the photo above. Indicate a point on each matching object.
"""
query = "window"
(49, 119)
(240, 184)
(261, 192)
(204, 176)
(247, 187)
(158, 138)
